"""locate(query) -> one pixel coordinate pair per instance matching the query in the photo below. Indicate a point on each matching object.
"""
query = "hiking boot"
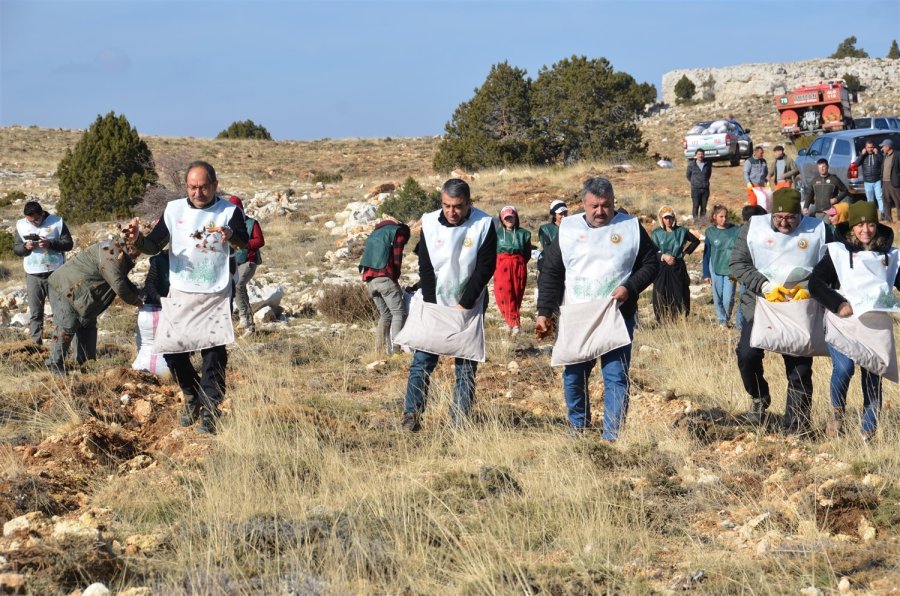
(190, 412)
(56, 369)
(835, 424)
(207, 424)
(757, 412)
(410, 422)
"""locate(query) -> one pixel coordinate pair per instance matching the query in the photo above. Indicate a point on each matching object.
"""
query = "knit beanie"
(861, 212)
(786, 200)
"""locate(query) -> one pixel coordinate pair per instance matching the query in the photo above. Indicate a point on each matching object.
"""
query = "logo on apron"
(468, 242)
(615, 238)
(803, 244)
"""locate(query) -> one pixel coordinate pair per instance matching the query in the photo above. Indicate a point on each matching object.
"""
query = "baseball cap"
(508, 211)
(887, 143)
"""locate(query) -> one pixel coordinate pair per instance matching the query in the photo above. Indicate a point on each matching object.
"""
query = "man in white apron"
(777, 249)
(196, 314)
(854, 281)
(597, 255)
(41, 238)
(457, 256)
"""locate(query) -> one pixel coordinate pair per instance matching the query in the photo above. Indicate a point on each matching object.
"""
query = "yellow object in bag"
(779, 294)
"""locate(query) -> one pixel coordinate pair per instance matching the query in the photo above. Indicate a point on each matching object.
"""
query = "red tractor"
(812, 109)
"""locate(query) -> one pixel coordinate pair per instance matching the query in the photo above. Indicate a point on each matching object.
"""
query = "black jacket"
(822, 189)
(824, 282)
(895, 171)
(552, 282)
(699, 178)
(485, 263)
(870, 166)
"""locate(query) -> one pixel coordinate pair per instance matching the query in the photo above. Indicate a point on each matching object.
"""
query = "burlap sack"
(795, 328)
(587, 331)
(868, 340)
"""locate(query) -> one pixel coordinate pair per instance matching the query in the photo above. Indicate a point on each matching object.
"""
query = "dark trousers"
(891, 195)
(699, 198)
(206, 389)
(798, 409)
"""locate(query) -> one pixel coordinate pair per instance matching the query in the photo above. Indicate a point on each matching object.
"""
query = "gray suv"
(841, 149)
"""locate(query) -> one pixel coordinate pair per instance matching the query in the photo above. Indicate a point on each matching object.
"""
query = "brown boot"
(835, 423)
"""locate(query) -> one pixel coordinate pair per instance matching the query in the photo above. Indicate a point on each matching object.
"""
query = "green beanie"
(862, 211)
(786, 200)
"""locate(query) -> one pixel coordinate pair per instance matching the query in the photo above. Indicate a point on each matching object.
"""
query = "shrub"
(583, 110)
(326, 177)
(246, 129)
(491, 129)
(684, 89)
(853, 84)
(11, 197)
(410, 202)
(848, 49)
(100, 179)
(6, 245)
(347, 304)
(894, 52)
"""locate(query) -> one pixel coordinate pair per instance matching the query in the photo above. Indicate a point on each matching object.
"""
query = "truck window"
(842, 147)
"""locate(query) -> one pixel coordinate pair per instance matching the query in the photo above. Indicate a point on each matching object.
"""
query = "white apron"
(867, 337)
(454, 252)
(198, 260)
(444, 330)
(42, 260)
(794, 328)
(597, 261)
(192, 321)
(441, 328)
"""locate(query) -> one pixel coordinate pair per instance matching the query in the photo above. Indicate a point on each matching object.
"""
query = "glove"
(778, 294)
(801, 294)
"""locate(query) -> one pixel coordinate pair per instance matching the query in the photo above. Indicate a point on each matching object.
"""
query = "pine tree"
(245, 129)
(492, 128)
(848, 49)
(684, 89)
(894, 52)
(583, 109)
(107, 170)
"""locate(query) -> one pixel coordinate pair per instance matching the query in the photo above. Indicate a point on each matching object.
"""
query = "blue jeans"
(423, 364)
(841, 373)
(874, 193)
(614, 368)
(723, 296)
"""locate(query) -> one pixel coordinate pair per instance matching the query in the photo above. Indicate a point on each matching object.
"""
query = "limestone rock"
(66, 529)
(96, 589)
(12, 583)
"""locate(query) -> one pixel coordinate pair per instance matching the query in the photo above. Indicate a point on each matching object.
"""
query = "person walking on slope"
(672, 286)
(42, 239)
(511, 273)
(199, 230)
(596, 269)
(380, 266)
(717, 244)
(246, 260)
(457, 256)
(698, 173)
(547, 232)
(854, 281)
(773, 257)
(756, 171)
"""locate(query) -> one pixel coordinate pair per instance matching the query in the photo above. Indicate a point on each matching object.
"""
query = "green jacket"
(517, 242)
(677, 243)
(93, 279)
(547, 233)
(717, 249)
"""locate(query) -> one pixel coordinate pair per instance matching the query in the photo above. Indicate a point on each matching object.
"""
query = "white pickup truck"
(720, 140)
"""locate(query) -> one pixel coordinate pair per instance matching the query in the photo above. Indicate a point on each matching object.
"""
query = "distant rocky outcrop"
(733, 83)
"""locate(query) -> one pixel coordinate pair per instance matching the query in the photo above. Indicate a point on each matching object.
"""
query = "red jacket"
(257, 241)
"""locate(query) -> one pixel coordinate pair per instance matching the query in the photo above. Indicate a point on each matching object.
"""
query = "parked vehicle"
(881, 122)
(841, 149)
(720, 140)
(811, 109)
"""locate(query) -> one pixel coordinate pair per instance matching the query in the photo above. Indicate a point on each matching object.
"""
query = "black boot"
(797, 414)
(190, 412)
(757, 412)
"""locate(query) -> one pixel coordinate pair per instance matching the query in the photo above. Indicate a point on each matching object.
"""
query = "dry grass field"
(310, 487)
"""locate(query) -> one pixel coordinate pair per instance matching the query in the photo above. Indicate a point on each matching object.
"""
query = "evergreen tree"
(492, 128)
(583, 109)
(245, 129)
(108, 169)
(684, 89)
(848, 49)
(894, 52)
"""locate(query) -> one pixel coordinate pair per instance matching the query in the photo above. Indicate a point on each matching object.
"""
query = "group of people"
(791, 268)
(213, 250)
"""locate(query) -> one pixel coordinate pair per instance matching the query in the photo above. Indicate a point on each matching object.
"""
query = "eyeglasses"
(201, 188)
(784, 218)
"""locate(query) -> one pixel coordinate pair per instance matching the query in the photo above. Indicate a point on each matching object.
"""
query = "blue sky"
(308, 70)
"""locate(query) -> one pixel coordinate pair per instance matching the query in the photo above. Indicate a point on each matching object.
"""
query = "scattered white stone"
(19, 319)
(376, 365)
(23, 522)
(125, 399)
(96, 589)
(513, 367)
(68, 528)
(811, 591)
(844, 585)
(646, 349)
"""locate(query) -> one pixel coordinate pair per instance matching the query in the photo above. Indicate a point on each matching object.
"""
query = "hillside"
(311, 488)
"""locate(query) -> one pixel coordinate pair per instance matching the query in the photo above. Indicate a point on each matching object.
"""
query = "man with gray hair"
(601, 259)
(457, 257)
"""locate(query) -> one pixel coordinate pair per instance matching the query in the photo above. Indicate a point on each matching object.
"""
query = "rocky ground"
(99, 484)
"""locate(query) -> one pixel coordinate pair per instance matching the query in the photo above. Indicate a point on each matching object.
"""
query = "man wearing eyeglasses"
(196, 315)
(772, 252)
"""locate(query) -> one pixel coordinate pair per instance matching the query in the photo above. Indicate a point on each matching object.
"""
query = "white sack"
(588, 330)
(795, 328)
(868, 340)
